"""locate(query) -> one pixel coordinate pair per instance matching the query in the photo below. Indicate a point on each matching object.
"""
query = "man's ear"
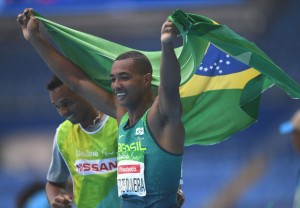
(148, 79)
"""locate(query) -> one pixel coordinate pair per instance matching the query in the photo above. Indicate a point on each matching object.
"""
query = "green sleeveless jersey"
(162, 170)
(91, 159)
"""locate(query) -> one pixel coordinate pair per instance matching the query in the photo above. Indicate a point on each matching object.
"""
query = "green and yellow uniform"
(91, 158)
(148, 176)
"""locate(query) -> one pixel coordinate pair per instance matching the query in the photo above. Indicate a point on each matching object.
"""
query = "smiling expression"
(127, 83)
(71, 106)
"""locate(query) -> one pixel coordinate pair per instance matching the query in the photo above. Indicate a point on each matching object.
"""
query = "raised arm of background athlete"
(165, 115)
(68, 72)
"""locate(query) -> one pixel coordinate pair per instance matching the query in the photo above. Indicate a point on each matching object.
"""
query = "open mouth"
(121, 94)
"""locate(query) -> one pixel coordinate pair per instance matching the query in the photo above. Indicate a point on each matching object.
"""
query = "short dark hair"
(54, 83)
(141, 62)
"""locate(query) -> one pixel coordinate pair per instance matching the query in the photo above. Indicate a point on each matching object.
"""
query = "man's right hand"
(62, 200)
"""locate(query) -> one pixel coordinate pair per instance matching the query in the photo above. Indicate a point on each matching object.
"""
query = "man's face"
(70, 105)
(127, 83)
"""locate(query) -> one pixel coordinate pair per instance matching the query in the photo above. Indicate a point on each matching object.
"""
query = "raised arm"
(165, 114)
(169, 98)
(66, 70)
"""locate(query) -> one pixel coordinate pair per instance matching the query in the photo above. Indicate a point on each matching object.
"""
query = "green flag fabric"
(222, 73)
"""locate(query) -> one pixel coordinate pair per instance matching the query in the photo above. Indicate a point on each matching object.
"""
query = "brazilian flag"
(222, 73)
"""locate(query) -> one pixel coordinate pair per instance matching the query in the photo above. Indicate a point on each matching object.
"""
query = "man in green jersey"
(85, 147)
(151, 133)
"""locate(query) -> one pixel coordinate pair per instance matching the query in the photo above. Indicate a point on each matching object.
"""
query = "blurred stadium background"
(255, 168)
